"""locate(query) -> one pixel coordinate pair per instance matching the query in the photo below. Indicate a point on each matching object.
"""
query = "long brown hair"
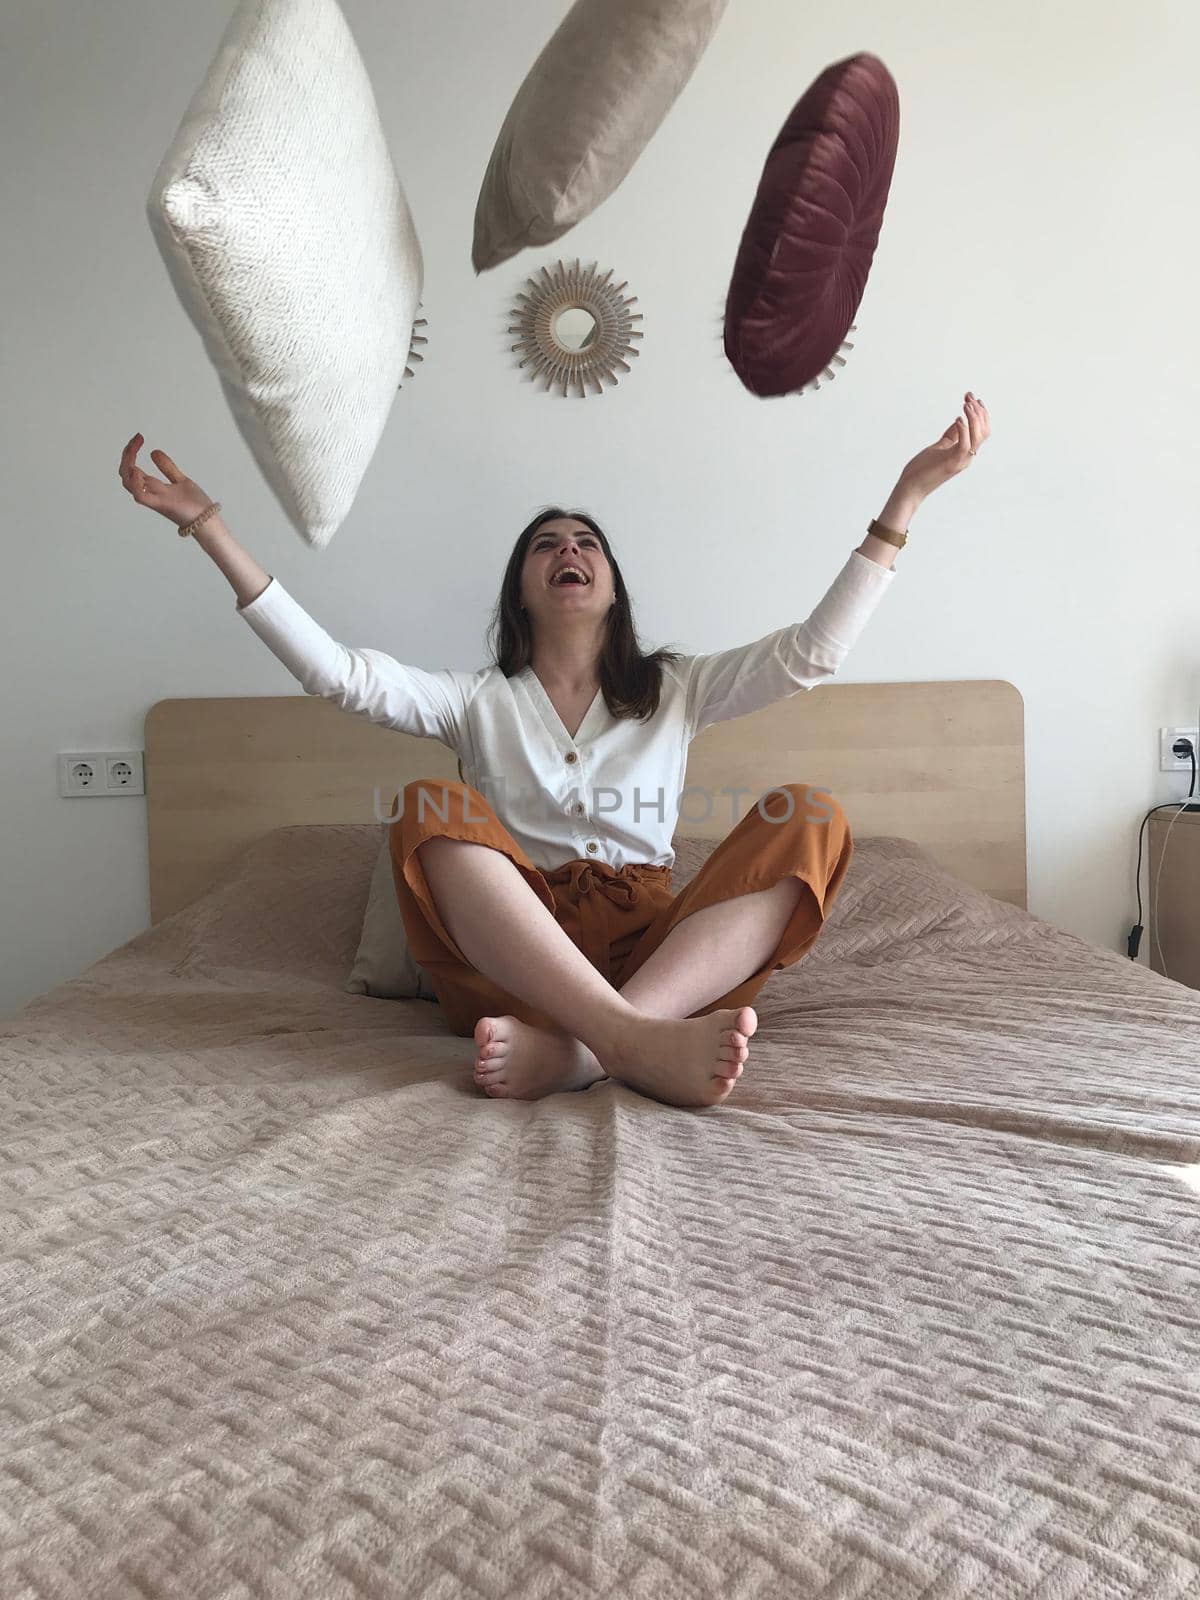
(630, 678)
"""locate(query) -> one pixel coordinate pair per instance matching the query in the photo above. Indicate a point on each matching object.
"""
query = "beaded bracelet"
(209, 511)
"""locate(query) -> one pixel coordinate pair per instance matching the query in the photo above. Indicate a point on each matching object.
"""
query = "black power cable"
(1181, 747)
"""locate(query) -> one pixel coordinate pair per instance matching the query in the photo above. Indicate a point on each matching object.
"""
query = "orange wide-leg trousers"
(617, 917)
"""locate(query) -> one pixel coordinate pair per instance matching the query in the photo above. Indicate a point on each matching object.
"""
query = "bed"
(290, 1309)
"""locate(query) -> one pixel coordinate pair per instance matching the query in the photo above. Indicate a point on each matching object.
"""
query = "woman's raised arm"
(367, 683)
(180, 500)
(239, 566)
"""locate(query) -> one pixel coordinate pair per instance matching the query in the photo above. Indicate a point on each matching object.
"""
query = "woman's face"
(547, 590)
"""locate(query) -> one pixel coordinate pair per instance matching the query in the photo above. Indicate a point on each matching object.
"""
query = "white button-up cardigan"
(615, 791)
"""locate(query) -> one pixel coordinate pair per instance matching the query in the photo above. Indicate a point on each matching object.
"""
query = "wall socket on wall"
(85, 772)
(1167, 760)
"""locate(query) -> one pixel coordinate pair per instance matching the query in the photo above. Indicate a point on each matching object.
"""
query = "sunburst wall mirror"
(576, 328)
(417, 338)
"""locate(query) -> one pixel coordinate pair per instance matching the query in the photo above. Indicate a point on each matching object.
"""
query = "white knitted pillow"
(288, 239)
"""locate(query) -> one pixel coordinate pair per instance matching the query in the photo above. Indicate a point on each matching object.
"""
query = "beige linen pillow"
(384, 966)
(591, 103)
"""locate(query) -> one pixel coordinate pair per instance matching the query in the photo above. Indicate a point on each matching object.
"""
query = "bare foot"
(517, 1062)
(690, 1062)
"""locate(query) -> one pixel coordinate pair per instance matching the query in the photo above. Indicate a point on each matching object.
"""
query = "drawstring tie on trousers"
(584, 882)
(582, 878)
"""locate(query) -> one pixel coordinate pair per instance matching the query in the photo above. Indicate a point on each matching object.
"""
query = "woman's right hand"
(175, 496)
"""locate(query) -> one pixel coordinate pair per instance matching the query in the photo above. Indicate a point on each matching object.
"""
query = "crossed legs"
(643, 1034)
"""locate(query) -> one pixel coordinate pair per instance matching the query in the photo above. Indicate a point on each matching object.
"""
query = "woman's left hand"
(953, 452)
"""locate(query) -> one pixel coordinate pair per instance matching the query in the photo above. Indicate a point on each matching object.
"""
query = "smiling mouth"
(570, 578)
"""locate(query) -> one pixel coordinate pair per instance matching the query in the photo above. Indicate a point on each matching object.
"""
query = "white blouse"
(615, 791)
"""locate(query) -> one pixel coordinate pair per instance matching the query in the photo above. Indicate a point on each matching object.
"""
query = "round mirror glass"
(575, 328)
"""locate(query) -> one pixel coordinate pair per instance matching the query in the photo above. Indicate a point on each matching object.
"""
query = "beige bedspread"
(290, 1309)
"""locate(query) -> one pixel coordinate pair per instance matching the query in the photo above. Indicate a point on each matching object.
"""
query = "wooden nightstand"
(1179, 905)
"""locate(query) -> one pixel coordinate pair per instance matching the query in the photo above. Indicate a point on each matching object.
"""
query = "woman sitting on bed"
(536, 893)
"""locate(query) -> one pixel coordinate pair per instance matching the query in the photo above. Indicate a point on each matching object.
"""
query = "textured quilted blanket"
(290, 1309)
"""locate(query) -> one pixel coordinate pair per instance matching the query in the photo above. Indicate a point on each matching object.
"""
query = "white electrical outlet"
(1167, 760)
(84, 772)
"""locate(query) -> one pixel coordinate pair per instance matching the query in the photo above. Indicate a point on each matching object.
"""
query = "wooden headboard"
(942, 764)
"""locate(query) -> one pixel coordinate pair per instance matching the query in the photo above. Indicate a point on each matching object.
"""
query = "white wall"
(1039, 248)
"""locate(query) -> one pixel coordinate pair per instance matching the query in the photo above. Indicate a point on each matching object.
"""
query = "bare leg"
(711, 951)
(704, 956)
(505, 932)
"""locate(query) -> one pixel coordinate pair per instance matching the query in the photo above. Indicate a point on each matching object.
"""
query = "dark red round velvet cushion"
(806, 251)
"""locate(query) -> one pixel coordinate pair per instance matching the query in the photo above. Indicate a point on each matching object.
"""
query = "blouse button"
(592, 847)
(571, 756)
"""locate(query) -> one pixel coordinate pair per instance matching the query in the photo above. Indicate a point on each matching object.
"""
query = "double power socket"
(85, 772)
